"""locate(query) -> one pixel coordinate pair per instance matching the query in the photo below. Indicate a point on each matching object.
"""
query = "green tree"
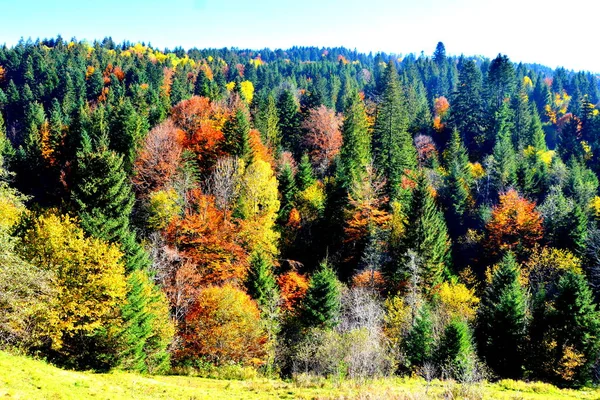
(502, 321)
(287, 191)
(237, 136)
(289, 122)
(102, 197)
(394, 153)
(355, 154)
(419, 342)
(305, 175)
(427, 234)
(260, 284)
(267, 123)
(458, 186)
(321, 304)
(455, 351)
(505, 163)
(126, 129)
(148, 329)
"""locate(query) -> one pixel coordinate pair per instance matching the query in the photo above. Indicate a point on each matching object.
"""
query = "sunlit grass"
(25, 378)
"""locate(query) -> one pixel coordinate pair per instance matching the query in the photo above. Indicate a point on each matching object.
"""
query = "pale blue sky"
(551, 32)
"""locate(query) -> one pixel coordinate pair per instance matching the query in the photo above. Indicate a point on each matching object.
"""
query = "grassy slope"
(25, 378)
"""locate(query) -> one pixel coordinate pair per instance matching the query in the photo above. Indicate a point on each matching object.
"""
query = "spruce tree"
(427, 234)
(501, 321)
(267, 122)
(202, 85)
(393, 149)
(260, 284)
(468, 114)
(147, 330)
(505, 164)
(575, 323)
(126, 130)
(287, 191)
(102, 197)
(289, 123)
(321, 304)
(455, 350)
(458, 186)
(237, 136)
(419, 342)
(305, 176)
(355, 153)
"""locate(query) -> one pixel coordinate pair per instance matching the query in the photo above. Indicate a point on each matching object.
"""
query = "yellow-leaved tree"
(258, 207)
(89, 279)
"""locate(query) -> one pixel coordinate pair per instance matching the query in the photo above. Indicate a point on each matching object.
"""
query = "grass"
(26, 378)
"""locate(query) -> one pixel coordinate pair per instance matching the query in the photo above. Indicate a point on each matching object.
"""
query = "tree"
(504, 166)
(260, 283)
(500, 81)
(84, 318)
(158, 158)
(126, 131)
(237, 136)
(419, 342)
(321, 304)
(355, 154)
(501, 321)
(427, 234)
(515, 225)
(394, 153)
(289, 122)
(467, 113)
(148, 329)
(287, 191)
(454, 353)
(458, 186)
(267, 122)
(323, 137)
(101, 195)
(223, 326)
(305, 176)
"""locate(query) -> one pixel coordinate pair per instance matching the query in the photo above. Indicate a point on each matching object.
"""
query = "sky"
(553, 33)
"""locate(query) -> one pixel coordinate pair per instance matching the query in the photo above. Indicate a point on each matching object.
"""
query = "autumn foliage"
(223, 325)
(515, 225)
(323, 136)
(293, 287)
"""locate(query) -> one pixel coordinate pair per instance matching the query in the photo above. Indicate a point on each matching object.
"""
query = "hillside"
(24, 378)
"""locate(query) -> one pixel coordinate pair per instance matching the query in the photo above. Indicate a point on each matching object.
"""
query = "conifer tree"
(202, 85)
(576, 324)
(505, 164)
(501, 321)
(427, 234)
(289, 122)
(455, 350)
(126, 130)
(287, 191)
(305, 176)
(355, 154)
(260, 284)
(458, 185)
(538, 136)
(237, 136)
(267, 123)
(393, 149)
(103, 199)
(419, 342)
(321, 304)
(147, 330)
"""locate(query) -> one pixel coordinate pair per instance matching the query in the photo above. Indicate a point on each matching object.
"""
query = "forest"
(311, 211)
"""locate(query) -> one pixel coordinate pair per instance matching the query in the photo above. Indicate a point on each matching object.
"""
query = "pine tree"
(577, 235)
(393, 149)
(289, 123)
(288, 191)
(260, 284)
(575, 322)
(505, 165)
(103, 199)
(501, 321)
(355, 154)
(126, 130)
(147, 330)
(538, 136)
(458, 186)
(427, 234)
(321, 304)
(305, 176)
(455, 350)
(419, 342)
(267, 123)
(237, 136)
(467, 114)
(202, 85)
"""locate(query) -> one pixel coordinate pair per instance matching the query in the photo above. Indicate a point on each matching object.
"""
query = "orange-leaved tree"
(223, 325)
(515, 225)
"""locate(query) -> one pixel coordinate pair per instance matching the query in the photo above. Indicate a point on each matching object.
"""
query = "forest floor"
(26, 378)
